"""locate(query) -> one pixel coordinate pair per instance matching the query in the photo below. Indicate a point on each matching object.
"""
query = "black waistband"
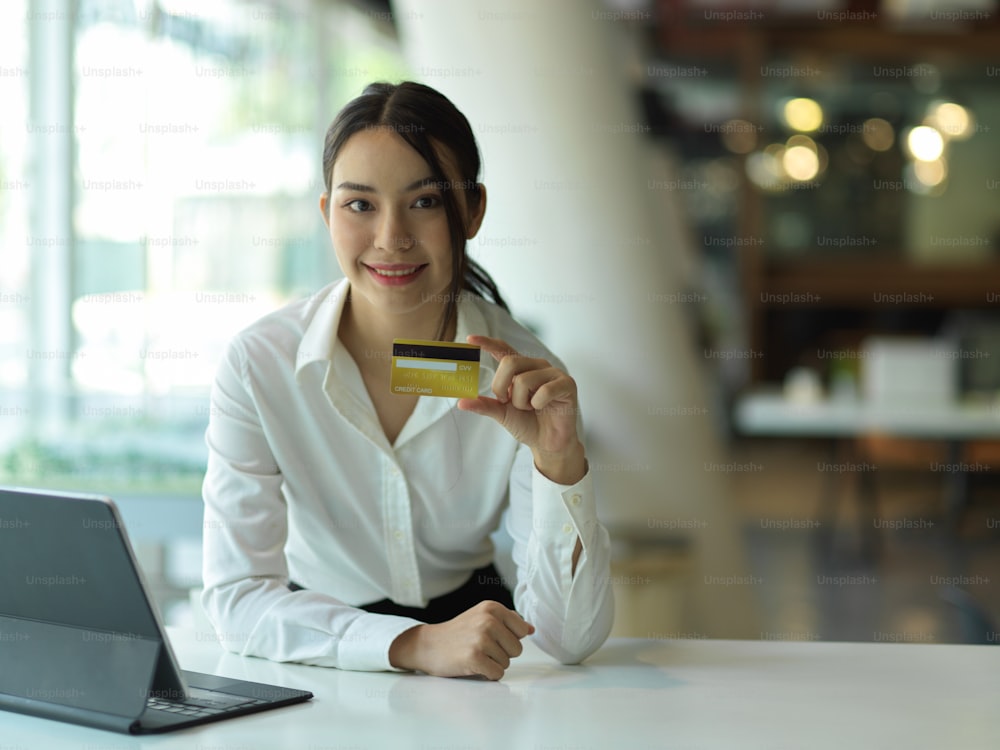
(483, 585)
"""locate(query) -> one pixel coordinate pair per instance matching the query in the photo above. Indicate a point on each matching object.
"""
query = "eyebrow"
(358, 187)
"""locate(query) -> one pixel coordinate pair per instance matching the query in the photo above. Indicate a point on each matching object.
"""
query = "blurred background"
(762, 235)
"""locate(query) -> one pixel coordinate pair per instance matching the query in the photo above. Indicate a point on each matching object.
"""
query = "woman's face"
(389, 227)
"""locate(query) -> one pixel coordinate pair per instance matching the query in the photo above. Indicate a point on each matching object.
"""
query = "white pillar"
(575, 238)
(51, 346)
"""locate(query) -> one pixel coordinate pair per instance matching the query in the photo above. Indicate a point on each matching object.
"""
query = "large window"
(160, 165)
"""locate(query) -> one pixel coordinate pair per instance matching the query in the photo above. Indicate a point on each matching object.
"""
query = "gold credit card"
(434, 368)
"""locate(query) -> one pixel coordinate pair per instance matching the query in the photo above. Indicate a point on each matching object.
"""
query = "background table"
(633, 693)
(767, 413)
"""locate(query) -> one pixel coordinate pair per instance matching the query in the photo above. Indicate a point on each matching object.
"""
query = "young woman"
(349, 526)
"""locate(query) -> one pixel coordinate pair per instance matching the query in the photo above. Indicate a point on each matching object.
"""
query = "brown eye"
(358, 205)
(427, 201)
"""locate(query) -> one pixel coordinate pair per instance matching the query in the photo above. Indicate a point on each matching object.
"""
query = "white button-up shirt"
(302, 484)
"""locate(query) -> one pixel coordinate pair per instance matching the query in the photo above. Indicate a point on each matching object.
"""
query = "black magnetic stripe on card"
(422, 351)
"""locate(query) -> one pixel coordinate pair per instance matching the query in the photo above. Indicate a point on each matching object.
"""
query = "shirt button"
(398, 534)
(567, 528)
(575, 500)
(394, 470)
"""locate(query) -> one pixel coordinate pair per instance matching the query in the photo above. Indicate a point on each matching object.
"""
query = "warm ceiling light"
(925, 143)
(800, 163)
(803, 114)
(801, 140)
(953, 120)
(930, 173)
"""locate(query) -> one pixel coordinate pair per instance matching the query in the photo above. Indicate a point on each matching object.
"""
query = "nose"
(392, 233)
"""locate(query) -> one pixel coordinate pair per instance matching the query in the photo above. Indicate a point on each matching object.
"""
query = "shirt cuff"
(365, 645)
(559, 510)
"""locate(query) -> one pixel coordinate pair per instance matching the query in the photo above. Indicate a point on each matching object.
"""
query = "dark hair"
(424, 118)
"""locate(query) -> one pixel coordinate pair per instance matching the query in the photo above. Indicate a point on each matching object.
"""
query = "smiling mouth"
(395, 275)
(396, 272)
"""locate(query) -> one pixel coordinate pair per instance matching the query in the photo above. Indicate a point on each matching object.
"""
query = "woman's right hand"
(480, 641)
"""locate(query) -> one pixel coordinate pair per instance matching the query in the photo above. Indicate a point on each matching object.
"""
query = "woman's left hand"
(537, 404)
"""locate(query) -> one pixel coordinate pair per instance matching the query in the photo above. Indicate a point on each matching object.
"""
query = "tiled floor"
(821, 582)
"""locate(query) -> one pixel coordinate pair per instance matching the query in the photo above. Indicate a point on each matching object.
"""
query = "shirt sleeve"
(572, 612)
(245, 573)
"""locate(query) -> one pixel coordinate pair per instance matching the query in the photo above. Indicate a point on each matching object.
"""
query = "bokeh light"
(800, 163)
(739, 136)
(878, 134)
(803, 114)
(925, 143)
(930, 173)
(764, 170)
(951, 120)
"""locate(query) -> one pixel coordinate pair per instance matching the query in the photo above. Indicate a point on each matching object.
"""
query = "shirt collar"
(323, 313)
(320, 338)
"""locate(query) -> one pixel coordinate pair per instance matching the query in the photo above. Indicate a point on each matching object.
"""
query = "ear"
(324, 206)
(476, 217)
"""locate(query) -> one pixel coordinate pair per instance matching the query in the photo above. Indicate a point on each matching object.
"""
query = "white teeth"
(404, 272)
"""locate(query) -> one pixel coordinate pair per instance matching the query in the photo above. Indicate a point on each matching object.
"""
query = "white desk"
(631, 694)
